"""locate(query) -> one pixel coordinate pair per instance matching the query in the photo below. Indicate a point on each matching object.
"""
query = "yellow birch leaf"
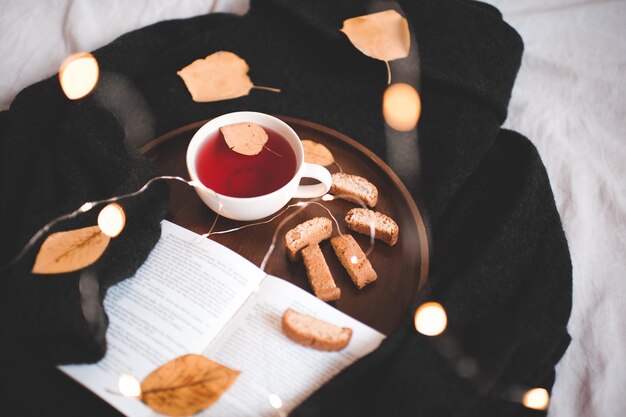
(220, 76)
(316, 153)
(245, 138)
(186, 385)
(383, 35)
(70, 251)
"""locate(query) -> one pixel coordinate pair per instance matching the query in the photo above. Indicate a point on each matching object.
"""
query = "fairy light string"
(90, 205)
(430, 319)
(272, 395)
(303, 205)
(86, 207)
(401, 110)
(466, 367)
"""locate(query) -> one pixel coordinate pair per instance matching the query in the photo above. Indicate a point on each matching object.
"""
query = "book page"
(176, 303)
(270, 363)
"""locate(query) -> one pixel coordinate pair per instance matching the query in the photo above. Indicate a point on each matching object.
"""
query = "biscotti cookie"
(319, 275)
(354, 188)
(385, 229)
(313, 332)
(308, 233)
(353, 260)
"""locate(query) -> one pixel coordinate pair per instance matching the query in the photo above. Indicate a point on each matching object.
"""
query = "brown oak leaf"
(186, 385)
(70, 251)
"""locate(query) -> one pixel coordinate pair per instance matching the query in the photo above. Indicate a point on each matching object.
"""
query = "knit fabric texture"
(499, 260)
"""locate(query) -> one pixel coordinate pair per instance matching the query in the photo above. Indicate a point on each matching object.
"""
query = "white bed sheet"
(569, 99)
(36, 36)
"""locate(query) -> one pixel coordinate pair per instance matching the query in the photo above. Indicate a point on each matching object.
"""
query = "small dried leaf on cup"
(245, 138)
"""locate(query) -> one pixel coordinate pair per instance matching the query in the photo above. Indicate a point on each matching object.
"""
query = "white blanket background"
(569, 99)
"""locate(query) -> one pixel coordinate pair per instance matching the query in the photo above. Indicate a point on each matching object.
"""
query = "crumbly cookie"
(385, 228)
(308, 233)
(353, 260)
(354, 188)
(313, 332)
(319, 275)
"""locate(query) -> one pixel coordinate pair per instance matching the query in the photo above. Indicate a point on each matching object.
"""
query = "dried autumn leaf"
(245, 138)
(186, 385)
(383, 35)
(70, 251)
(220, 76)
(316, 153)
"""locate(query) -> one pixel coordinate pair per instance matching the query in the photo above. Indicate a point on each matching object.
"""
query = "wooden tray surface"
(401, 269)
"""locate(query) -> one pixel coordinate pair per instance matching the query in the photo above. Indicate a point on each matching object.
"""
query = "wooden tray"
(401, 269)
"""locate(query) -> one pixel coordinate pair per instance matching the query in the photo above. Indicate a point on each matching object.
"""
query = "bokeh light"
(275, 401)
(129, 386)
(466, 367)
(536, 398)
(431, 319)
(401, 107)
(79, 75)
(112, 220)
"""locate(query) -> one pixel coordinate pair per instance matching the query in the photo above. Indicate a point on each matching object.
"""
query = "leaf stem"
(388, 73)
(79, 245)
(177, 387)
(272, 89)
(275, 153)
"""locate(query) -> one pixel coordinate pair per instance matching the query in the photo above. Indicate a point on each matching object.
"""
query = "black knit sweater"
(500, 263)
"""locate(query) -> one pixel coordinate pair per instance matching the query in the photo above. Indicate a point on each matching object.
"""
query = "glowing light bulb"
(328, 197)
(79, 75)
(354, 259)
(275, 401)
(536, 398)
(431, 319)
(129, 386)
(401, 107)
(112, 220)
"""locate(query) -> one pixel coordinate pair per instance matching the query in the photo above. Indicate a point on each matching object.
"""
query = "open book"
(200, 297)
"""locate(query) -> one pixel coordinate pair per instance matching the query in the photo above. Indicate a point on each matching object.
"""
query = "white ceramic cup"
(253, 208)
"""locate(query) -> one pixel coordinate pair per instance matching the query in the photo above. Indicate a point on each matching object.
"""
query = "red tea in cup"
(235, 175)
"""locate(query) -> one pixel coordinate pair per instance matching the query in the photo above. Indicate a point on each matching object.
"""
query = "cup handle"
(319, 173)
